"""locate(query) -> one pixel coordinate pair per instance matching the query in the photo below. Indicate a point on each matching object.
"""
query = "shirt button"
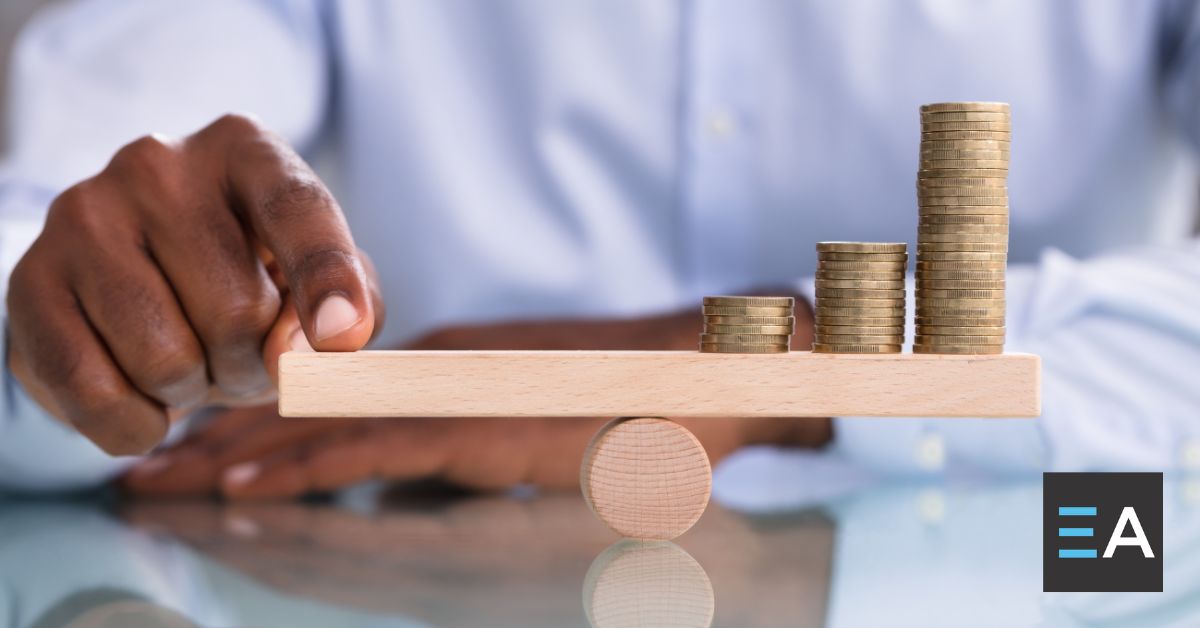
(931, 452)
(721, 124)
(1189, 455)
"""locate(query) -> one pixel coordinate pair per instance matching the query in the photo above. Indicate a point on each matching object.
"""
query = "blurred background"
(13, 15)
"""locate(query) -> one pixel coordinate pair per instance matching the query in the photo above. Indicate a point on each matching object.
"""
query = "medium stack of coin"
(747, 324)
(962, 238)
(860, 297)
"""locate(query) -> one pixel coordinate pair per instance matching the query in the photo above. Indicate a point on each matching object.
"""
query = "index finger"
(293, 214)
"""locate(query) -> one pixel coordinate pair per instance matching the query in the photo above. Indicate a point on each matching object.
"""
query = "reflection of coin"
(751, 301)
(640, 583)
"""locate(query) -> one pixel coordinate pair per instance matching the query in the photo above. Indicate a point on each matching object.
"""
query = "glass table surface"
(887, 554)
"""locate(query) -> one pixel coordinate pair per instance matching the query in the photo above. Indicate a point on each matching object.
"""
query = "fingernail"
(150, 467)
(298, 342)
(241, 474)
(335, 315)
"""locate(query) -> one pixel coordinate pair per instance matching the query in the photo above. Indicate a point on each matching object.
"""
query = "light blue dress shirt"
(619, 158)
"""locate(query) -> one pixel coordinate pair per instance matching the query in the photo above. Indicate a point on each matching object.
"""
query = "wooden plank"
(655, 383)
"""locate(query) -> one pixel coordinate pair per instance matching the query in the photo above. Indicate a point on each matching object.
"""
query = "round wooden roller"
(647, 583)
(646, 478)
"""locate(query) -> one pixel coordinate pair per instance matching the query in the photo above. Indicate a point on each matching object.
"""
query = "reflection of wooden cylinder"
(646, 478)
(647, 583)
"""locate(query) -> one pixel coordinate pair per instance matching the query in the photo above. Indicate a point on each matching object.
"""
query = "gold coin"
(1002, 145)
(958, 306)
(894, 284)
(866, 330)
(928, 201)
(751, 301)
(960, 247)
(960, 350)
(959, 284)
(1001, 107)
(744, 339)
(971, 330)
(960, 321)
(1003, 136)
(968, 192)
(958, 340)
(961, 256)
(940, 155)
(732, 348)
(962, 210)
(978, 238)
(964, 173)
(862, 257)
(927, 183)
(869, 303)
(860, 340)
(862, 322)
(963, 293)
(826, 313)
(963, 164)
(864, 266)
(860, 274)
(964, 219)
(965, 116)
(960, 270)
(855, 293)
(862, 247)
(960, 275)
(986, 310)
(826, 348)
(749, 320)
(966, 125)
(759, 330)
(729, 310)
(994, 230)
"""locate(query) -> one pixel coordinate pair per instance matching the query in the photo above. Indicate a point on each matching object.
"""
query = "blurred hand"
(252, 453)
(175, 277)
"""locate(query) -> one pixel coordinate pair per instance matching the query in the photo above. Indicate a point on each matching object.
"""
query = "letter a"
(1128, 515)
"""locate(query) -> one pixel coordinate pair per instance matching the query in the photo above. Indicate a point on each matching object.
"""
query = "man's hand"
(252, 453)
(176, 276)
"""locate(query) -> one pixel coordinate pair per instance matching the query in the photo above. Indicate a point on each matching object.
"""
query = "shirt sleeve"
(89, 77)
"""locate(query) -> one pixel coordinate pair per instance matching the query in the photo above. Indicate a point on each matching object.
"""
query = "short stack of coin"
(962, 238)
(747, 324)
(860, 297)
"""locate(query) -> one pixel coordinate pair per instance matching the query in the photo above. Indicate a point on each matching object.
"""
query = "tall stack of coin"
(860, 297)
(962, 240)
(747, 324)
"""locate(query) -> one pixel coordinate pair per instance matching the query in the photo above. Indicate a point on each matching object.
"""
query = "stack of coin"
(860, 297)
(747, 324)
(962, 240)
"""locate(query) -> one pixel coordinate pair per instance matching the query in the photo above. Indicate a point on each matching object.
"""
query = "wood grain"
(646, 478)
(655, 383)
(647, 583)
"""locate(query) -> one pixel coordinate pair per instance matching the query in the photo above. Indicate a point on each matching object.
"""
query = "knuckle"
(148, 153)
(292, 199)
(175, 372)
(242, 320)
(324, 265)
(236, 125)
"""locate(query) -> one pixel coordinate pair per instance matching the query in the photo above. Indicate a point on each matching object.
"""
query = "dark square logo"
(1102, 532)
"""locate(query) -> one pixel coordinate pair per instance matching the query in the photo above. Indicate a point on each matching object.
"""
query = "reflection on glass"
(647, 583)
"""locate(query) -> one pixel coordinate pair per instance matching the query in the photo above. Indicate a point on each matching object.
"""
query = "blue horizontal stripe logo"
(1076, 553)
(1075, 532)
(1077, 511)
